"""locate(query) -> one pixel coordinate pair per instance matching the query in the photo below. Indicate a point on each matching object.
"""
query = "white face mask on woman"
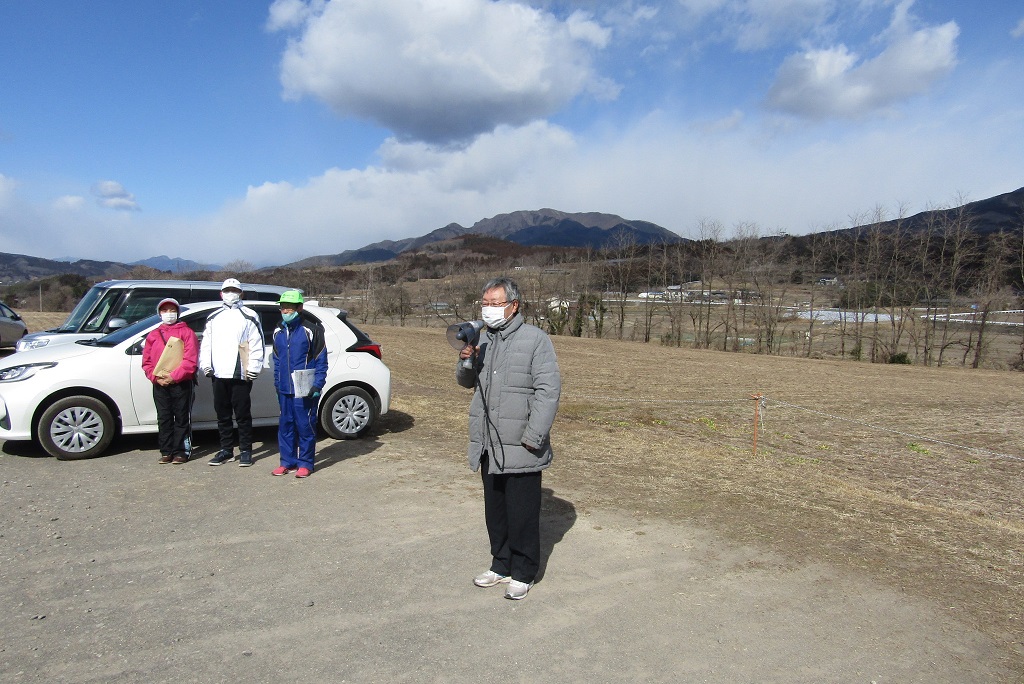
(493, 316)
(169, 317)
(230, 298)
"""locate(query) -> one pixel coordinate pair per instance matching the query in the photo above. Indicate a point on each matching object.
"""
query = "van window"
(81, 311)
(202, 294)
(141, 303)
(98, 316)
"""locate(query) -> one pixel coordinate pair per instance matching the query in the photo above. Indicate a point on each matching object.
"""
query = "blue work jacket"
(299, 345)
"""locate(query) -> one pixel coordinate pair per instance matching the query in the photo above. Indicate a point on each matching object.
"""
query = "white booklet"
(302, 381)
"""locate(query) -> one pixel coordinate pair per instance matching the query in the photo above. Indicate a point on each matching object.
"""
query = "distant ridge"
(543, 227)
(1000, 213)
(20, 267)
(175, 264)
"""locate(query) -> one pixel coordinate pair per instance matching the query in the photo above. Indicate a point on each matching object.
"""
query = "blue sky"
(270, 131)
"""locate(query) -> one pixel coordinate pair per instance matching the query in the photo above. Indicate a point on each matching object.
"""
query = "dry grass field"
(910, 475)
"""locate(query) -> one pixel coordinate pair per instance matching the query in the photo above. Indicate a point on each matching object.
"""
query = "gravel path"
(119, 569)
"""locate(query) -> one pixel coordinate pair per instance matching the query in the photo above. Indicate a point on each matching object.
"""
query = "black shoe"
(223, 456)
(245, 459)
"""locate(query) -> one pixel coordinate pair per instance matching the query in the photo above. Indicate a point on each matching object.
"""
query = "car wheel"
(348, 413)
(76, 427)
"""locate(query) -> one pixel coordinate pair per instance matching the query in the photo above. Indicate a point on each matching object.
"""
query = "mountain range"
(543, 227)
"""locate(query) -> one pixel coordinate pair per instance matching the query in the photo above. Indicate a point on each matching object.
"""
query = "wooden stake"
(757, 417)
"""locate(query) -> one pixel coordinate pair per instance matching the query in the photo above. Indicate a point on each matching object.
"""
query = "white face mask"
(493, 316)
(230, 298)
(169, 317)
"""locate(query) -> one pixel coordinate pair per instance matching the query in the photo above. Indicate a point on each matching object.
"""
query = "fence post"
(757, 418)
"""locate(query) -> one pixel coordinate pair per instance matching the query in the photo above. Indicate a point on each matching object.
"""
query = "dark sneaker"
(221, 458)
(166, 458)
(245, 459)
(178, 460)
(489, 579)
(517, 590)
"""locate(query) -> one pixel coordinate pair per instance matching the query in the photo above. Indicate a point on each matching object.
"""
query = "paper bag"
(170, 358)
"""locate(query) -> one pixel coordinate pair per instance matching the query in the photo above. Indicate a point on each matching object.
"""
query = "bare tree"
(768, 274)
(958, 250)
(621, 273)
(238, 266)
(991, 289)
(709, 251)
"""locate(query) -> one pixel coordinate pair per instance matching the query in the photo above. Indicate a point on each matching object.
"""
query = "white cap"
(231, 282)
(168, 300)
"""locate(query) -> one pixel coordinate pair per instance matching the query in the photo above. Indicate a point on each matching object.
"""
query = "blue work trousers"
(296, 433)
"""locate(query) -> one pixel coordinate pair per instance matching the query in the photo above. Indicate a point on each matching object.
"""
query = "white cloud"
(69, 203)
(658, 169)
(751, 25)
(47, 230)
(1018, 30)
(582, 27)
(835, 82)
(112, 195)
(761, 23)
(7, 189)
(290, 14)
(439, 70)
(723, 125)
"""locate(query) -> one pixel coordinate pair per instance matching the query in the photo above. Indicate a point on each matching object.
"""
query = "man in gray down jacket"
(517, 384)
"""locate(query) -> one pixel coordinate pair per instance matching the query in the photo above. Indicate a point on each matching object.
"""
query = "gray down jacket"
(517, 384)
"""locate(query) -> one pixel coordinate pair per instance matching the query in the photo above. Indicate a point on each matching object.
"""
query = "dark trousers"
(512, 512)
(231, 396)
(174, 417)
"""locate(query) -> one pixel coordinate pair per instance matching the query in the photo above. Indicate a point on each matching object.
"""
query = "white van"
(114, 304)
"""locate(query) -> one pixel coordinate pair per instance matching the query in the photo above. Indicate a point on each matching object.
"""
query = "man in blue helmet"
(300, 373)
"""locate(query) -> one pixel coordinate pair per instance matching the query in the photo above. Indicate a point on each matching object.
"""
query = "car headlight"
(22, 372)
(24, 344)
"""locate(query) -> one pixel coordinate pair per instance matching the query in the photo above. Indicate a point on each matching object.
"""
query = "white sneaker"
(489, 579)
(517, 590)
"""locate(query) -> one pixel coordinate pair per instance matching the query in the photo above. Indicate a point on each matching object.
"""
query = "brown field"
(909, 475)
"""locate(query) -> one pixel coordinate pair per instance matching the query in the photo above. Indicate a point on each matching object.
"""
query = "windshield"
(81, 311)
(119, 336)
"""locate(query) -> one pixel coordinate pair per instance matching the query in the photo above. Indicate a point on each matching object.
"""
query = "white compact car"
(73, 399)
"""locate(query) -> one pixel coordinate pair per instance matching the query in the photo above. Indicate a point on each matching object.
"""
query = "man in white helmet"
(231, 354)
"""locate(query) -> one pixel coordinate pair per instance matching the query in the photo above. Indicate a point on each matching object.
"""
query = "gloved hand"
(250, 376)
(315, 392)
(208, 372)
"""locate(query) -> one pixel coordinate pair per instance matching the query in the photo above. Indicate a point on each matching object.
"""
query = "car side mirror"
(115, 323)
(15, 317)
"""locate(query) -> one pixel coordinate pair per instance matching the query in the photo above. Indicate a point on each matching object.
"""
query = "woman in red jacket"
(173, 380)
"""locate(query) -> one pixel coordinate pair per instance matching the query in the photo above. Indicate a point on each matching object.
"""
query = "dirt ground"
(874, 537)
